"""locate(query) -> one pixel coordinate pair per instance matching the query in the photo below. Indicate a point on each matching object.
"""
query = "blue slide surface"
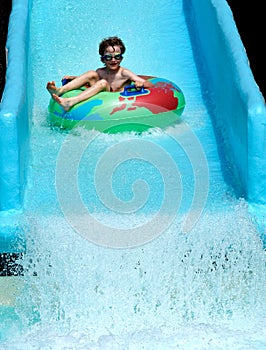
(182, 209)
(205, 58)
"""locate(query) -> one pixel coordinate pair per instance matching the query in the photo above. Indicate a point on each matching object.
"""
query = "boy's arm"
(139, 81)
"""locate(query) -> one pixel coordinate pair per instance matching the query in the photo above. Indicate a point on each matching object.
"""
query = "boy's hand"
(139, 84)
(146, 84)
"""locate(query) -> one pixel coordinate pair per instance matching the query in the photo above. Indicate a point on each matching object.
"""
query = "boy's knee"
(103, 84)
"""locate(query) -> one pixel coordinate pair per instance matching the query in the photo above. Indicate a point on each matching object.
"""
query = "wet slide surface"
(136, 241)
(164, 51)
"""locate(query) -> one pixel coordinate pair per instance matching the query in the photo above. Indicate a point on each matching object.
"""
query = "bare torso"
(116, 80)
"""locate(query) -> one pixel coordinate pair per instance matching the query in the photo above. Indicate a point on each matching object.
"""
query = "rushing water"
(190, 273)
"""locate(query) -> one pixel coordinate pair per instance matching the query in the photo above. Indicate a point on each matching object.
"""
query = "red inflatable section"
(160, 99)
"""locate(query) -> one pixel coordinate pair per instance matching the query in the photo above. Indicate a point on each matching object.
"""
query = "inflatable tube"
(129, 110)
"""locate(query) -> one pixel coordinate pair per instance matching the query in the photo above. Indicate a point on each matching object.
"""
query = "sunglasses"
(109, 57)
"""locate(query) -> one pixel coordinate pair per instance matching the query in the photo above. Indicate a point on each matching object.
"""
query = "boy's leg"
(67, 103)
(90, 77)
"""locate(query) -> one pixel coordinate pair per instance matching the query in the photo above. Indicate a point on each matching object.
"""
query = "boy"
(111, 78)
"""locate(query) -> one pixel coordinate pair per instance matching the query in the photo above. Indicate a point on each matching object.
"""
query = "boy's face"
(112, 57)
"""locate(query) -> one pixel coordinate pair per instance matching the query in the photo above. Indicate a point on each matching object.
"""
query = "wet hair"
(111, 41)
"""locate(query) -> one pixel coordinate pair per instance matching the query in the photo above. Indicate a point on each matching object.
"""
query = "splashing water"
(204, 288)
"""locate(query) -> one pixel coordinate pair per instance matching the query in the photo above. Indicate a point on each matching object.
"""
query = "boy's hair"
(111, 41)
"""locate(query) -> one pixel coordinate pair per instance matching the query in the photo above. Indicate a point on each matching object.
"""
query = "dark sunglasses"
(109, 57)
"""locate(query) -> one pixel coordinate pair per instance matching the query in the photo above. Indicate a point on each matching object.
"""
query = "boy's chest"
(116, 81)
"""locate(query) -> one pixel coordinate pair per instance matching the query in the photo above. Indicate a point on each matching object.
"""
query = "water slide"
(135, 239)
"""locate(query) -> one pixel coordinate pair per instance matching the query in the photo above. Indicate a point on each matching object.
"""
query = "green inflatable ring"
(131, 110)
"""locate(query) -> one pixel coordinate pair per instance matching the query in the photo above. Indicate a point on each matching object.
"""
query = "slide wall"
(14, 130)
(237, 104)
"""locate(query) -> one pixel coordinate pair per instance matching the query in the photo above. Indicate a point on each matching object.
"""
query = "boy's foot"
(64, 102)
(52, 88)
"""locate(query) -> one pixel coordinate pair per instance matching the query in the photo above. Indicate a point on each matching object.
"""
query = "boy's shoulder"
(101, 72)
(102, 69)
